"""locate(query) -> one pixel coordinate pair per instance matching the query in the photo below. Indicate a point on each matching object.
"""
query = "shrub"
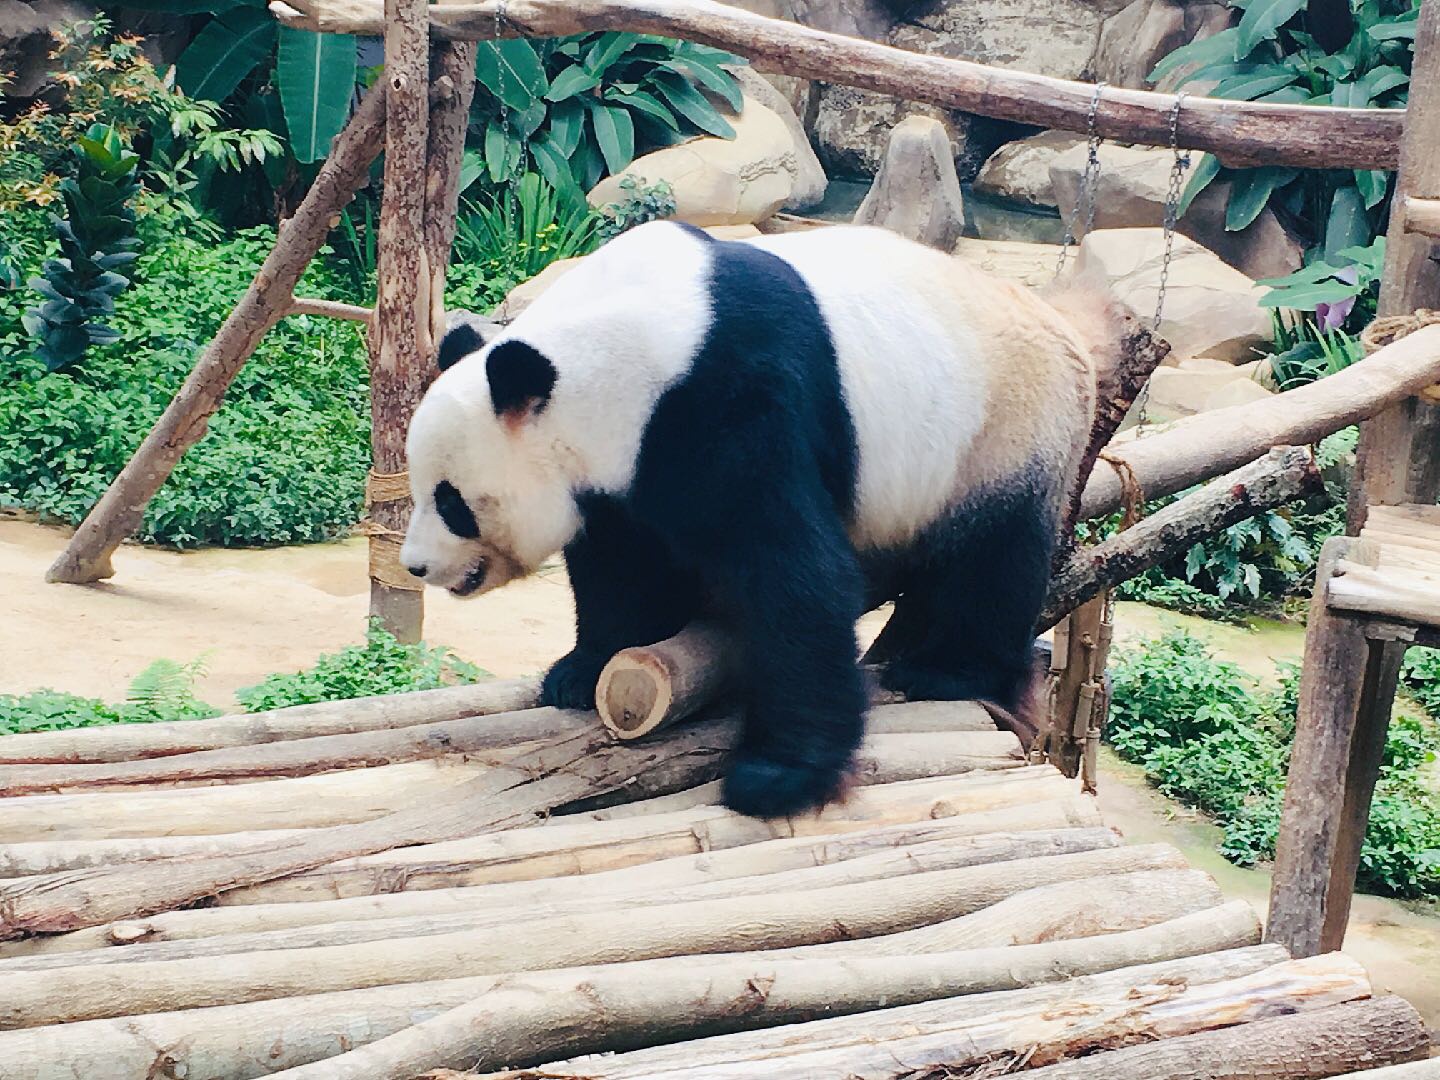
(1208, 737)
(381, 666)
(285, 457)
(163, 691)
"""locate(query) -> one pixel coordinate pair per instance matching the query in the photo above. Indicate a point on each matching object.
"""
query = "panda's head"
(491, 496)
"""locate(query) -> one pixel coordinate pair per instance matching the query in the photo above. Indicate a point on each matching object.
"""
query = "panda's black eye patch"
(454, 512)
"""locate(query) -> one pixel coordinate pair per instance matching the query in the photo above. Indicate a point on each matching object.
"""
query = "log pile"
(455, 880)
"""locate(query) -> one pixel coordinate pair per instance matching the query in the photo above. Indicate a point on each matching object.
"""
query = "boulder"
(1031, 265)
(26, 31)
(1185, 391)
(1134, 40)
(1211, 309)
(870, 19)
(1020, 171)
(916, 192)
(721, 181)
(810, 180)
(1133, 188)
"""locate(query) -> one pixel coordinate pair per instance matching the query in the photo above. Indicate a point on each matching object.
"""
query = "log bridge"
(455, 883)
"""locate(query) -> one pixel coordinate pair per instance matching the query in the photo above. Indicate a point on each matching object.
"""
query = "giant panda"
(781, 432)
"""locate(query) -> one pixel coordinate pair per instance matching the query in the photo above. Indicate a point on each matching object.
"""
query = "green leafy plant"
(1312, 308)
(579, 107)
(1304, 52)
(1207, 735)
(165, 690)
(381, 666)
(97, 238)
(523, 229)
(640, 202)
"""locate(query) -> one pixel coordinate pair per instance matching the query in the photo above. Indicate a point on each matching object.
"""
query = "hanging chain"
(1089, 181)
(500, 76)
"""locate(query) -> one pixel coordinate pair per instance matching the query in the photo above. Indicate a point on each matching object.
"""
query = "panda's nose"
(419, 570)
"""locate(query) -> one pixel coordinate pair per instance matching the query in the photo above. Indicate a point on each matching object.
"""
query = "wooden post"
(120, 510)
(399, 339)
(1398, 459)
(1347, 686)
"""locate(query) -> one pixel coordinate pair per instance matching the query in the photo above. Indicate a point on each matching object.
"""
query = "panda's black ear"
(465, 333)
(521, 378)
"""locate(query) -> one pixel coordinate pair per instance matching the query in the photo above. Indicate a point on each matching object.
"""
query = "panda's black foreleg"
(971, 605)
(794, 592)
(628, 591)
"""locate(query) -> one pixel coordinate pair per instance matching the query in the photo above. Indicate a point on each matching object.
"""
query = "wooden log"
(1118, 388)
(237, 1042)
(87, 556)
(1303, 1046)
(304, 756)
(452, 82)
(1238, 132)
(303, 802)
(1347, 686)
(533, 783)
(650, 686)
(399, 338)
(1201, 447)
(727, 871)
(1397, 459)
(125, 742)
(524, 854)
(491, 912)
(1422, 216)
(483, 1033)
(330, 309)
(1282, 475)
(706, 926)
(1035, 1026)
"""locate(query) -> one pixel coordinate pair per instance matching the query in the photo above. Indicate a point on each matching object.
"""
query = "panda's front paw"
(926, 684)
(763, 787)
(570, 684)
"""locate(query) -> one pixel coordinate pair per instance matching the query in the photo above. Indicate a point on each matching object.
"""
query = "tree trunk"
(184, 422)
(1201, 447)
(231, 1042)
(1398, 456)
(1238, 132)
(708, 926)
(1036, 1026)
(1304, 1046)
(125, 742)
(1284, 474)
(399, 338)
(532, 784)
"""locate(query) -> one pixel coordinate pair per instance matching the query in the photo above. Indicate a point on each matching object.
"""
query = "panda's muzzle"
(473, 580)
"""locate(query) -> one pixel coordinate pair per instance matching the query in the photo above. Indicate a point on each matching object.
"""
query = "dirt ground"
(250, 613)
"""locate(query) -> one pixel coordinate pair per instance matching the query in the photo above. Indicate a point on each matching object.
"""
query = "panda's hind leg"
(971, 603)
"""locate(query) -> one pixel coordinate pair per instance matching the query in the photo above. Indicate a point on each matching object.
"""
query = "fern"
(166, 689)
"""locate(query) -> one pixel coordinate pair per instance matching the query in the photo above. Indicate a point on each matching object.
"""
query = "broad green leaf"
(1261, 21)
(497, 151)
(1251, 191)
(1382, 80)
(1373, 183)
(691, 104)
(567, 124)
(526, 122)
(712, 78)
(1217, 47)
(315, 74)
(1205, 171)
(1394, 29)
(1306, 275)
(1286, 95)
(553, 164)
(645, 103)
(615, 134)
(607, 49)
(511, 71)
(1337, 65)
(1305, 297)
(1249, 87)
(223, 53)
(472, 167)
(586, 164)
(1347, 225)
(571, 81)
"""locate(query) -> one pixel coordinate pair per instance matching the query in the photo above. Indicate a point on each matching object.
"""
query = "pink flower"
(1332, 316)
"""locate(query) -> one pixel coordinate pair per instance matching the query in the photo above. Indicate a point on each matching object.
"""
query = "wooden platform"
(444, 881)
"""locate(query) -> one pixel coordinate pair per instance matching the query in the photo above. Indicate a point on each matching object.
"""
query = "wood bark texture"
(651, 686)
(1284, 474)
(1199, 448)
(119, 512)
(1238, 132)
(1398, 457)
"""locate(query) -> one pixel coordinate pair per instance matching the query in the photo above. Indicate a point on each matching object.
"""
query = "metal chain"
(1089, 181)
(500, 73)
(1178, 168)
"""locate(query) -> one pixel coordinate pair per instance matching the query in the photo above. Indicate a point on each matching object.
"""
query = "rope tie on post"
(1391, 328)
(385, 565)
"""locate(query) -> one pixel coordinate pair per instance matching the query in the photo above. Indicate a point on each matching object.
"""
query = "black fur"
(459, 342)
(454, 511)
(521, 378)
